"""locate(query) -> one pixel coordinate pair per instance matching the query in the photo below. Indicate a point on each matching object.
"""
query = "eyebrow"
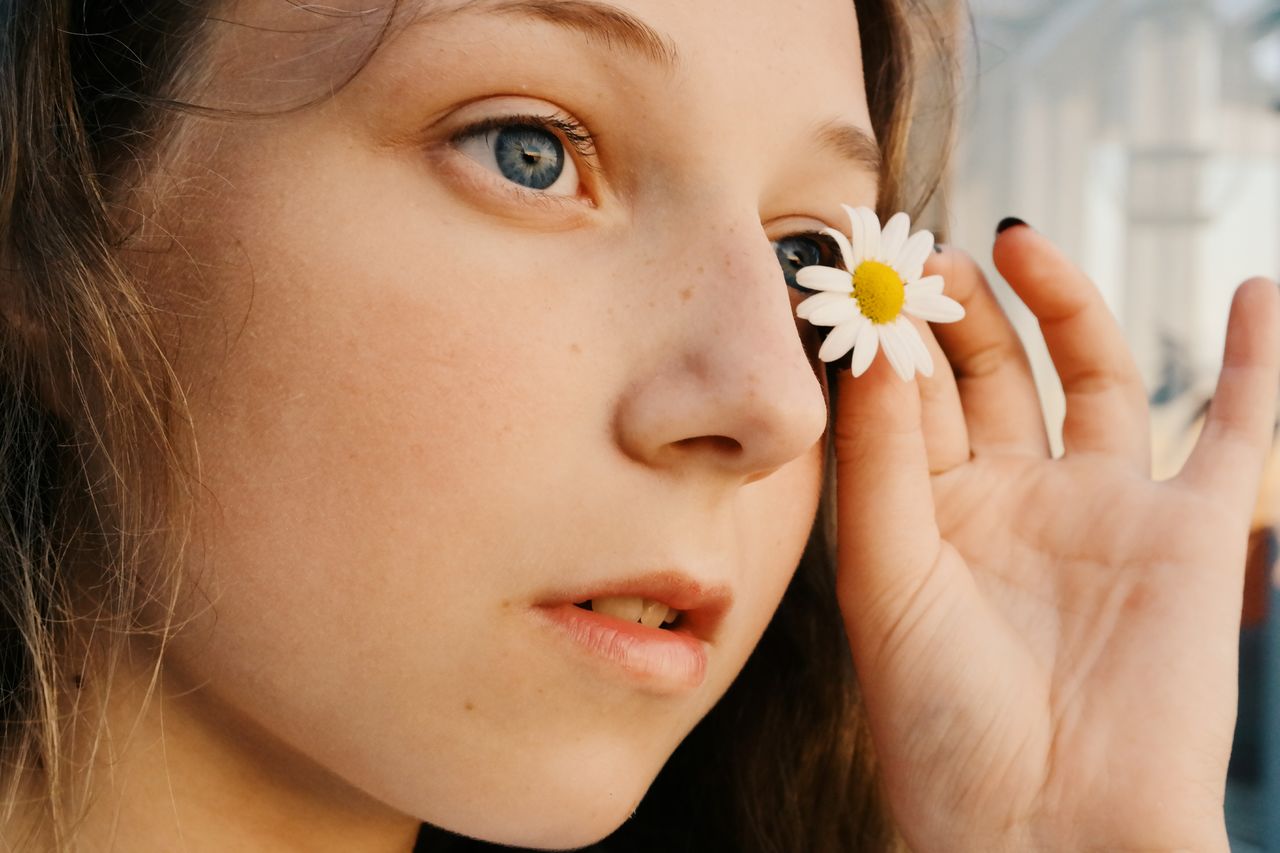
(852, 143)
(598, 22)
(614, 27)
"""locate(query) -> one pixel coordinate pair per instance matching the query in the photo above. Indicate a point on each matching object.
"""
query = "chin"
(565, 807)
(560, 825)
(567, 831)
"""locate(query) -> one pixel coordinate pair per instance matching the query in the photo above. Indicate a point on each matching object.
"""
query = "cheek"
(383, 385)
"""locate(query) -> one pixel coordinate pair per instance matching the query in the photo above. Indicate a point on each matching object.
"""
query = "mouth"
(654, 630)
(667, 600)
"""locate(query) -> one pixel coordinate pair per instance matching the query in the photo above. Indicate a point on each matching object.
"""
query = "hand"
(1048, 647)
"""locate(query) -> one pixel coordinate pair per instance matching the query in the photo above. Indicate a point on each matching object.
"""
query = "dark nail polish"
(938, 248)
(1007, 223)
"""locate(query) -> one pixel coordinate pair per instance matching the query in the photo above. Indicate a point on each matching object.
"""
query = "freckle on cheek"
(686, 294)
(575, 348)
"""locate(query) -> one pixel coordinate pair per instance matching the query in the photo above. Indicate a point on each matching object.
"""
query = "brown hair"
(98, 462)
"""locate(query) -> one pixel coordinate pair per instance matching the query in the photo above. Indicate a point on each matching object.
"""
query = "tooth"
(654, 614)
(672, 613)
(623, 607)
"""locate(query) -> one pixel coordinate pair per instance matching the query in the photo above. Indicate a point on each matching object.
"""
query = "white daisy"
(866, 301)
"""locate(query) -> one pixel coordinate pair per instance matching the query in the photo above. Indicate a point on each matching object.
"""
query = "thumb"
(887, 539)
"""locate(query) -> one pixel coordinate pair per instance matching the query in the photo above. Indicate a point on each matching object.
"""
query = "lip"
(666, 659)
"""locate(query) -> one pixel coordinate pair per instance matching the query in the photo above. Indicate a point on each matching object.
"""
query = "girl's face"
(451, 368)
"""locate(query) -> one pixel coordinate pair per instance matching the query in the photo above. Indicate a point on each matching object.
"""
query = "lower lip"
(661, 658)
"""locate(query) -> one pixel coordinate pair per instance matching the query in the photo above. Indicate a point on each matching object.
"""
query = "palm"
(1047, 646)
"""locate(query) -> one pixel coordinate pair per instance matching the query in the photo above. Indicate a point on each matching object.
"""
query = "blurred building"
(1143, 136)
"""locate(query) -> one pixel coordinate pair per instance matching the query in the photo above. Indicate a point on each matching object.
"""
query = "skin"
(437, 390)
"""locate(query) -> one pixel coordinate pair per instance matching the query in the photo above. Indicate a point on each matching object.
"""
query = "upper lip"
(702, 605)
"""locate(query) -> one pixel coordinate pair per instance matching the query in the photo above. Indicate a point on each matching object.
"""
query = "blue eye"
(806, 250)
(529, 156)
(527, 151)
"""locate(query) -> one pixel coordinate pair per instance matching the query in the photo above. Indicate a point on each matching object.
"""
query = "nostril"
(720, 442)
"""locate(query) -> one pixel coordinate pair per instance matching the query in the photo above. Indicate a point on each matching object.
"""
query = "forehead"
(761, 55)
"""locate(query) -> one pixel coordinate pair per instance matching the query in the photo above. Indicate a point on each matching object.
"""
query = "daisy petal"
(894, 237)
(896, 350)
(834, 313)
(910, 335)
(825, 278)
(936, 309)
(864, 348)
(930, 285)
(909, 261)
(846, 251)
(818, 300)
(858, 236)
(841, 339)
(870, 235)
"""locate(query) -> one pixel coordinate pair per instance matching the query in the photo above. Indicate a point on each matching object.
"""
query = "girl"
(354, 352)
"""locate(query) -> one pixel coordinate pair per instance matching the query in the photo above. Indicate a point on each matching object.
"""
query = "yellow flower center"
(879, 291)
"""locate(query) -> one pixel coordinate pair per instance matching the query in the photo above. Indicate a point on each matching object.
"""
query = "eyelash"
(568, 126)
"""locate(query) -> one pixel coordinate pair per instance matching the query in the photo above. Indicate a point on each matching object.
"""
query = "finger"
(992, 372)
(946, 436)
(888, 536)
(1106, 402)
(1228, 456)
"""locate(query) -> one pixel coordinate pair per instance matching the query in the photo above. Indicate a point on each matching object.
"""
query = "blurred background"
(1143, 136)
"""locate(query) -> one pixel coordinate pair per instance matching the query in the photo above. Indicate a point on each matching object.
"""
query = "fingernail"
(1007, 223)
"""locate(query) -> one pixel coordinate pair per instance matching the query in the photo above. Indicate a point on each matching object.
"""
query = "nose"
(721, 377)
